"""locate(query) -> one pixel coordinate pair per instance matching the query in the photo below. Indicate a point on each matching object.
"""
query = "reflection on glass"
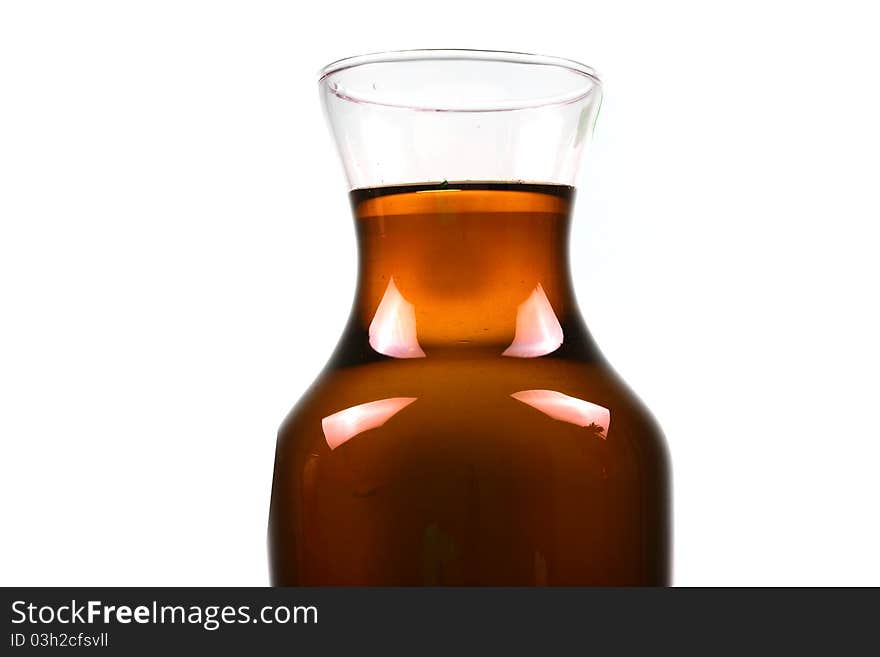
(567, 409)
(393, 329)
(540, 569)
(538, 332)
(346, 424)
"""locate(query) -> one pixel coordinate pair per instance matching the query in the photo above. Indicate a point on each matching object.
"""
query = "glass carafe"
(467, 430)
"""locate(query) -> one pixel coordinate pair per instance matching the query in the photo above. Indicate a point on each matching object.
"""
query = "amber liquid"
(467, 431)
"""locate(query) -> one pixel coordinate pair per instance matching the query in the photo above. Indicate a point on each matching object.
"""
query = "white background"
(173, 218)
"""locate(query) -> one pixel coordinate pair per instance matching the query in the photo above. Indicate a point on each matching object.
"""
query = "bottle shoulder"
(528, 397)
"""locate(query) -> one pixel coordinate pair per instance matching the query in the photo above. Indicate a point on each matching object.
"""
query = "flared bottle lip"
(583, 81)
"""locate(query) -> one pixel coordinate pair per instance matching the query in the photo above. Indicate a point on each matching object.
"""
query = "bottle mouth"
(459, 80)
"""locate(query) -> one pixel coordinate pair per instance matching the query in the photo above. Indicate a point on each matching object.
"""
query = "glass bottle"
(466, 430)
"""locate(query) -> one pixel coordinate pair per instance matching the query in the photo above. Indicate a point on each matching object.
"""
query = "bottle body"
(467, 431)
(469, 486)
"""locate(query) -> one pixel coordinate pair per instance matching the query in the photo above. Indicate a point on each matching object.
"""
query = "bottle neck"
(472, 266)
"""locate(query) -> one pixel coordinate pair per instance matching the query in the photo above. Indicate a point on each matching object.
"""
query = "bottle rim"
(532, 80)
